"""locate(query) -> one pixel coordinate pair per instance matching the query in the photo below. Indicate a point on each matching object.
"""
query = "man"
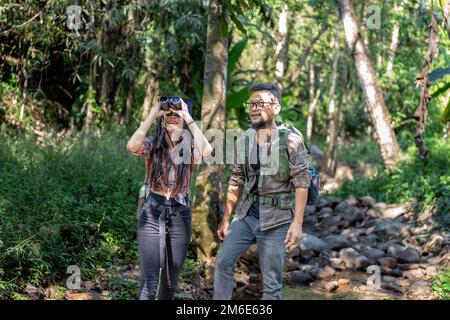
(264, 215)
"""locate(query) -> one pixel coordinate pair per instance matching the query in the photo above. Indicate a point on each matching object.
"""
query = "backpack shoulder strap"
(283, 136)
(246, 151)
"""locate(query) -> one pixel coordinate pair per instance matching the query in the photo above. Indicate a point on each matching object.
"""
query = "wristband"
(191, 122)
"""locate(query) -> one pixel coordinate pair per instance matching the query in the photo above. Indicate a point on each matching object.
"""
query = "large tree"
(369, 82)
(207, 204)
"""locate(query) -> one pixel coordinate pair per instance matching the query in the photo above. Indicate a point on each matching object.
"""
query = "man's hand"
(223, 230)
(293, 235)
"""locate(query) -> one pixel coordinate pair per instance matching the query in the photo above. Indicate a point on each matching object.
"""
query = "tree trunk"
(394, 42)
(369, 82)
(90, 95)
(107, 82)
(132, 46)
(151, 90)
(313, 99)
(332, 112)
(424, 82)
(336, 120)
(207, 204)
(281, 53)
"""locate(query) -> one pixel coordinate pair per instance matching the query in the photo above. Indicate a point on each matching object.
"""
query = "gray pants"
(271, 251)
(179, 227)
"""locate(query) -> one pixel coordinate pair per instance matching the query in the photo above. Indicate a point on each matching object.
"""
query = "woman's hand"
(184, 112)
(156, 111)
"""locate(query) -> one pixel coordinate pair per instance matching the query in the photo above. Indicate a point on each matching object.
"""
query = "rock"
(391, 287)
(372, 213)
(394, 250)
(353, 216)
(434, 245)
(343, 282)
(379, 206)
(325, 212)
(241, 277)
(310, 210)
(88, 285)
(309, 242)
(393, 211)
(54, 293)
(310, 219)
(328, 222)
(353, 232)
(420, 290)
(370, 240)
(337, 263)
(325, 272)
(291, 265)
(352, 201)
(334, 254)
(396, 272)
(387, 262)
(385, 270)
(367, 201)
(298, 277)
(409, 255)
(32, 292)
(372, 254)
(295, 252)
(353, 259)
(332, 200)
(337, 242)
(306, 255)
(432, 271)
(318, 262)
(371, 231)
(251, 254)
(411, 266)
(331, 286)
(414, 274)
(388, 279)
(342, 206)
(391, 229)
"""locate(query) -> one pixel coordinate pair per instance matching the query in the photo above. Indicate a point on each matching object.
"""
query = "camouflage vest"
(281, 200)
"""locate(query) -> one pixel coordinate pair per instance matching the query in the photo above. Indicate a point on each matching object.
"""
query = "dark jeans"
(179, 227)
(271, 251)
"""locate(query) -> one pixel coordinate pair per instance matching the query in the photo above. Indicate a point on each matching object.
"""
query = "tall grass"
(71, 203)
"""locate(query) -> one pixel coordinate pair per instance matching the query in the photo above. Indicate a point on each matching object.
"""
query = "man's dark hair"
(267, 87)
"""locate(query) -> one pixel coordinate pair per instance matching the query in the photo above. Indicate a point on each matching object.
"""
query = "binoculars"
(167, 103)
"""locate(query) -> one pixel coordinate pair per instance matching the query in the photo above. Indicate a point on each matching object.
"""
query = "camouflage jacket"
(271, 183)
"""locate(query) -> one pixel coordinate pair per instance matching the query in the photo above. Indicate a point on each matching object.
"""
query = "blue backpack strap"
(246, 150)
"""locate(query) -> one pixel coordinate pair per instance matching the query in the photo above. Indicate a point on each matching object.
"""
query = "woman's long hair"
(162, 162)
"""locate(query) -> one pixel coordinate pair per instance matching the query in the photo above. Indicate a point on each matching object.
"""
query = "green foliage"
(426, 180)
(71, 203)
(441, 284)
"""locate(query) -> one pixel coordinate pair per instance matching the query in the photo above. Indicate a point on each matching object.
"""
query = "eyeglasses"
(257, 104)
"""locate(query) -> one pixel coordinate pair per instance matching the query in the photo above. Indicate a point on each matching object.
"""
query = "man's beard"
(262, 124)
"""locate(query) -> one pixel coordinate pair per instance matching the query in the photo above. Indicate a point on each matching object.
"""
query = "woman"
(164, 228)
